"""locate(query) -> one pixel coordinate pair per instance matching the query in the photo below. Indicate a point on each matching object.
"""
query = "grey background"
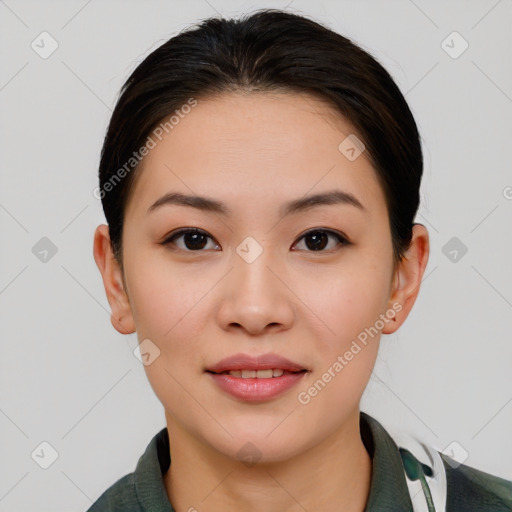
(68, 378)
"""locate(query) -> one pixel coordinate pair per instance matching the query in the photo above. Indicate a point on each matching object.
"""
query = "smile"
(255, 378)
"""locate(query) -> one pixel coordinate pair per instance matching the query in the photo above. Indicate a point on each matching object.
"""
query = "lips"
(256, 379)
(240, 362)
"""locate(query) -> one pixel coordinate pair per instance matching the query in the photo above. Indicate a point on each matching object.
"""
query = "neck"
(331, 476)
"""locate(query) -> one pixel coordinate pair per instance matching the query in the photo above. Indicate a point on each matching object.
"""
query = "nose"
(255, 297)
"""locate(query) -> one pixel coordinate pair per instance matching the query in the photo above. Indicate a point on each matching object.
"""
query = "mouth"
(263, 366)
(270, 373)
(256, 379)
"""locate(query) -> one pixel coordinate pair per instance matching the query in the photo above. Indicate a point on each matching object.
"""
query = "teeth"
(264, 374)
(256, 374)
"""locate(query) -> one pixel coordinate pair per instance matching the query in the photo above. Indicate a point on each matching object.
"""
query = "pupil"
(319, 240)
(195, 238)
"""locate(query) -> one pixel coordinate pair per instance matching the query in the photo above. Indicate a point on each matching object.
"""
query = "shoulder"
(119, 497)
(142, 489)
(447, 484)
(473, 490)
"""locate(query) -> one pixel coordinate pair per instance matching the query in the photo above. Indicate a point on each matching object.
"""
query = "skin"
(254, 152)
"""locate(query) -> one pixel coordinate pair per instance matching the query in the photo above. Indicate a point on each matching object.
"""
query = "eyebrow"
(294, 206)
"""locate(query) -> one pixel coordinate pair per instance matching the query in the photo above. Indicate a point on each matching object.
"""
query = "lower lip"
(256, 390)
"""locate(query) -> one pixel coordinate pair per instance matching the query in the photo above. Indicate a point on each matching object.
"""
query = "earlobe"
(121, 316)
(408, 277)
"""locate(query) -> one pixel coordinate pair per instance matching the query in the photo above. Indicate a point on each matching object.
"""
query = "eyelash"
(173, 236)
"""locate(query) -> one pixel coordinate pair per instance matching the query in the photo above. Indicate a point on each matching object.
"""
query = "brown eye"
(193, 239)
(317, 240)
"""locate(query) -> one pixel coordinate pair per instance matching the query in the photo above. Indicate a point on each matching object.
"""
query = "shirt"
(467, 489)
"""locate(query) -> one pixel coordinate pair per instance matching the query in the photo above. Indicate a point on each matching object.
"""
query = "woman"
(260, 179)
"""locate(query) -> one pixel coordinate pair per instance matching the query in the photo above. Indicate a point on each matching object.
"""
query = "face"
(294, 289)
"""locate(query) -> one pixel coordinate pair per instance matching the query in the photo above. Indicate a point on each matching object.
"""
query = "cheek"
(347, 347)
(347, 299)
(169, 312)
(163, 296)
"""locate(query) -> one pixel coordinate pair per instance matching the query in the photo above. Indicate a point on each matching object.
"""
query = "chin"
(262, 445)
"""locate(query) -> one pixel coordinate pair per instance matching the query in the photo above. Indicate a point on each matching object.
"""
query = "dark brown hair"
(266, 50)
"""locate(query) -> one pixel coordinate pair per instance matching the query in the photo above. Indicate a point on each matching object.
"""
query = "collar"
(388, 487)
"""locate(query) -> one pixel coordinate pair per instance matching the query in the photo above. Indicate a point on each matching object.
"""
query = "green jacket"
(467, 489)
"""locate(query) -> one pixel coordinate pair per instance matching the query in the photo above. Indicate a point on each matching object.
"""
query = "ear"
(113, 281)
(407, 278)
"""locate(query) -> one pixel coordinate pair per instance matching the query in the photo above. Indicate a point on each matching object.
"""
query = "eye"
(318, 239)
(194, 239)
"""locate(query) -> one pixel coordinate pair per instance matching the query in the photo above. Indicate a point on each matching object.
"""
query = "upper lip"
(261, 362)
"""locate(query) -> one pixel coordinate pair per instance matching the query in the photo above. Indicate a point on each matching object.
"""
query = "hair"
(268, 50)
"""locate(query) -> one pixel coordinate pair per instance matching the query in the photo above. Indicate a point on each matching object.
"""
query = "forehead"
(254, 145)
